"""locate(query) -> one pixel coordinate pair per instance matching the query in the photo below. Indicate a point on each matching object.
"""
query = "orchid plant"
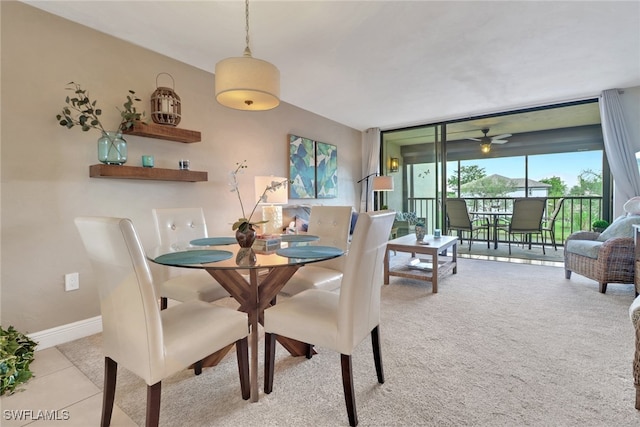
(243, 224)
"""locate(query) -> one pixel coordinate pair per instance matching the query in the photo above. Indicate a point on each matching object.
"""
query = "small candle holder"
(148, 161)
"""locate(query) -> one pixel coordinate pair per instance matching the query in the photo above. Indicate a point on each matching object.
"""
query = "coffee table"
(428, 269)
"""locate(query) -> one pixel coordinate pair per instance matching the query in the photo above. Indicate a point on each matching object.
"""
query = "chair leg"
(242, 354)
(309, 352)
(377, 353)
(603, 287)
(163, 303)
(269, 361)
(552, 234)
(567, 274)
(153, 404)
(347, 385)
(109, 391)
(197, 367)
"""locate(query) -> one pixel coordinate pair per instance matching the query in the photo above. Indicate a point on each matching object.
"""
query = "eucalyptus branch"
(82, 111)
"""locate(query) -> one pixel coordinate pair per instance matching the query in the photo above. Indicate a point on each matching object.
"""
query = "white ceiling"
(390, 64)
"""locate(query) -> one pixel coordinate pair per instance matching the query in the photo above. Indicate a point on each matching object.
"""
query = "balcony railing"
(577, 212)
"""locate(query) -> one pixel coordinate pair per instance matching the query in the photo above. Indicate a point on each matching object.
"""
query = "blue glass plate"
(214, 241)
(299, 238)
(309, 252)
(193, 257)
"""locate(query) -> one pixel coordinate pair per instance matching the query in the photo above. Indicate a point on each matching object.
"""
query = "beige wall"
(45, 180)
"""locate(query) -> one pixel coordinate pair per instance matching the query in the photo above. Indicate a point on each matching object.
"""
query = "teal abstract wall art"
(313, 169)
(326, 171)
(302, 168)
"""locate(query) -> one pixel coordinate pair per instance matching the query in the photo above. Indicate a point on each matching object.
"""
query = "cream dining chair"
(338, 321)
(151, 343)
(332, 225)
(179, 226)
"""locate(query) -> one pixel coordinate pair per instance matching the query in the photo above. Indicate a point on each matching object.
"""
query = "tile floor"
(58, 395)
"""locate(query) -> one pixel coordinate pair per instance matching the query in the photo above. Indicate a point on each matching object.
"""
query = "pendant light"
(247, 83)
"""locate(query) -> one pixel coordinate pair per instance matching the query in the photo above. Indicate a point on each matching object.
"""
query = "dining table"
(252, 277)
(495, 216)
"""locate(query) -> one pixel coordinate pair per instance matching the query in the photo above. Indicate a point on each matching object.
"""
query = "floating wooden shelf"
(135, 172)
(170, 133)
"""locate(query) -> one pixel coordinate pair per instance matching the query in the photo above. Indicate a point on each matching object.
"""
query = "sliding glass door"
(417, 196)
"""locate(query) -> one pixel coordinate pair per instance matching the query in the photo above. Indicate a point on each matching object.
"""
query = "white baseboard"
(65, 333)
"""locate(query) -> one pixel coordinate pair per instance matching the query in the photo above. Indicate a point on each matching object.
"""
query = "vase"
(112, 148)
(246, 238)
(246, 257)
(420, 232)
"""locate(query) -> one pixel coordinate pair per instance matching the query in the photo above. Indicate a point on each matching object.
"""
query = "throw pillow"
(621, 227)
(632, 206)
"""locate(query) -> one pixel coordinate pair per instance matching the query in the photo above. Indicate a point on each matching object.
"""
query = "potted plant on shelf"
(16, 353)
(82, 111)
(599, 225)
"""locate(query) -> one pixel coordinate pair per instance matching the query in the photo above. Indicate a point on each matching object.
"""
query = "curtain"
(617, 145)
(370, 165)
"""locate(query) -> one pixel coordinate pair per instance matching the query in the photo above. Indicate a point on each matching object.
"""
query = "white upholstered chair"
(338, 321)
(179, 226)
(151, 343)
(332, 224)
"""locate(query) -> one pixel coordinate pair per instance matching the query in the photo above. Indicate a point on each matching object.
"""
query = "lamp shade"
(278, 196)
(382, 183)
(247, 83)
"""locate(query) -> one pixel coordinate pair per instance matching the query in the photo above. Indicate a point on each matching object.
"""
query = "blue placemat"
(214, 241)
(193, 257)
(309, 252)
(299, 238)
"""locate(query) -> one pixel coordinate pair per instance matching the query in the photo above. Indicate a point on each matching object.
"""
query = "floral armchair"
(405, 222)
(606, 257)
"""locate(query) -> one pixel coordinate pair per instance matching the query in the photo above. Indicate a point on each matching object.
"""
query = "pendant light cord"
(247, 51)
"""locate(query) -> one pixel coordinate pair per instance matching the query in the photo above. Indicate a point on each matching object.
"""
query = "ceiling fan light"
(247, 83)
(485, 147)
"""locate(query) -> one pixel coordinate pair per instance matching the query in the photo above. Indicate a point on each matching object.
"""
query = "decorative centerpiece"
(420, 231)
(82, 111)
(244, 227)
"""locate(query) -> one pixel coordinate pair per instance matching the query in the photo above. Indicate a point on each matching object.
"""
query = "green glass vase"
(112, 148)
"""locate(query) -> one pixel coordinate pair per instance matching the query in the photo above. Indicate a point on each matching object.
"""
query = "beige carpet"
(501, 344)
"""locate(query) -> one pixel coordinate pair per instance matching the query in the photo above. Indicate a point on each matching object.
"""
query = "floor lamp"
(380, 183)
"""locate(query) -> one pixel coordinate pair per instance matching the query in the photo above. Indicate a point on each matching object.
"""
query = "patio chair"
(549, 223)
(526, 220)
(459, 219)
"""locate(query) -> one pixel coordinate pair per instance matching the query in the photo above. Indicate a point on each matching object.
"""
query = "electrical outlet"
(71, 281)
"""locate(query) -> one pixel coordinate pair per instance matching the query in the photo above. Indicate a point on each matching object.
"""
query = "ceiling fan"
(486, 141)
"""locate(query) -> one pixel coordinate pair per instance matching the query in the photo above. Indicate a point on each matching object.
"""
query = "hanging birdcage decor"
(165, 104)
